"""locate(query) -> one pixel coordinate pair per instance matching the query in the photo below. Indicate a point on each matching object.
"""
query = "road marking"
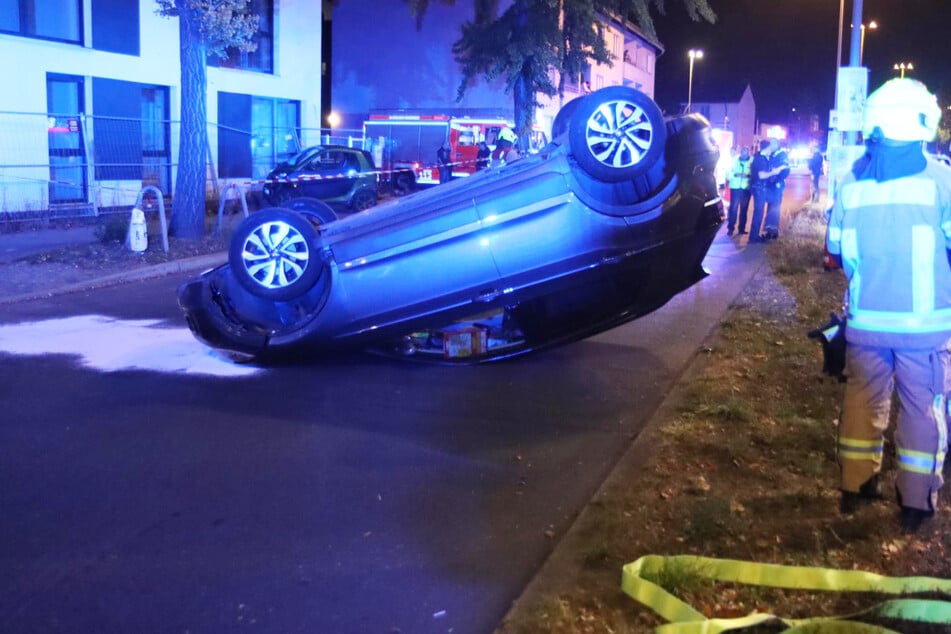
(109, 344)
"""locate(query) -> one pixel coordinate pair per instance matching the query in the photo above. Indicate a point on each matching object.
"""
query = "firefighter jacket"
(739, 174)
(892, 237)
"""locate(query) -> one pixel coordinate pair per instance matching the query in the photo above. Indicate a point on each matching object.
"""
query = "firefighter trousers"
(922, 381)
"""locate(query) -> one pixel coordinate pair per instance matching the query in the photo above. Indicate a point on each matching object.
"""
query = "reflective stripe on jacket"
(892, 237)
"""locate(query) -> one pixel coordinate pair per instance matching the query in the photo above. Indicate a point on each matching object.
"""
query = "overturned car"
(604, 225)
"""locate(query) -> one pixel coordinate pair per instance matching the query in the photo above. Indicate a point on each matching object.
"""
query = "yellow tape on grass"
(684, 619)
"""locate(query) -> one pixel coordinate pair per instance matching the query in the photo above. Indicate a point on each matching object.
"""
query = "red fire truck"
(404, 145)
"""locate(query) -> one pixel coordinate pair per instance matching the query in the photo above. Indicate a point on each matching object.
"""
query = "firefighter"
(890, 230)
(444, 159)
(505, 149)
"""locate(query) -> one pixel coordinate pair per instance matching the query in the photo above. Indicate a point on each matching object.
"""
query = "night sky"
(786, 50)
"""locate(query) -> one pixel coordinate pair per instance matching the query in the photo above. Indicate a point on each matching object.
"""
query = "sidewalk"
(33, 264)
(20, 244)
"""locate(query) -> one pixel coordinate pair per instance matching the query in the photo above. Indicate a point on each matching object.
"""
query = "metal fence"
(75, 164)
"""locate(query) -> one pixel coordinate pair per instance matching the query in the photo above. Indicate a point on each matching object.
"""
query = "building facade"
(733, 111)
(93, 95)
(382, 60)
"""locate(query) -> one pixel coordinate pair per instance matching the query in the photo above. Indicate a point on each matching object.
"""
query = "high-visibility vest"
(739, 174)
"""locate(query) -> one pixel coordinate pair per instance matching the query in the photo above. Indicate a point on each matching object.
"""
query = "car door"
(330, 174)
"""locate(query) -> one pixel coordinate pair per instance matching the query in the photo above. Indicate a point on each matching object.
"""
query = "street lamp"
(693, 54)
(903, 67)
(872, 25)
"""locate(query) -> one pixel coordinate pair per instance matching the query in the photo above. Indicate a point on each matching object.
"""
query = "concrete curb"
(185, 265)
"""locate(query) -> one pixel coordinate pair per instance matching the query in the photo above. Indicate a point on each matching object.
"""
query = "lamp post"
(903, 67)
(693, 54)
(872, 25)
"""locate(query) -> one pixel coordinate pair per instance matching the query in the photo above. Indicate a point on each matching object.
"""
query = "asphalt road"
(144, 490)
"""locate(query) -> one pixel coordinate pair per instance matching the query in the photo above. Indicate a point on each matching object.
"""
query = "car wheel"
(617, 133)
(560, 125)
(279, 196)
(312, 208)
(363, 199)
(272, 255)
(403, 181)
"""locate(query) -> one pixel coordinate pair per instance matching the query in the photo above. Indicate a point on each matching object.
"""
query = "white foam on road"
(109, 344)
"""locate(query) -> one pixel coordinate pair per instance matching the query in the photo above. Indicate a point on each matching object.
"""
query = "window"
(255, 134)
(260, 59)
(131, 132)
(64, 106)
(48, 19)
(335, 160)
(115, 26)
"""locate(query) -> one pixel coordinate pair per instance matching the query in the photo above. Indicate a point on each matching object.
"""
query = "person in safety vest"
(738, 179)
(505, 149)
(890, 230)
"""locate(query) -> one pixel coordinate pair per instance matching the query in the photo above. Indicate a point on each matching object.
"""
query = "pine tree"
(532, 37)
(205, 27)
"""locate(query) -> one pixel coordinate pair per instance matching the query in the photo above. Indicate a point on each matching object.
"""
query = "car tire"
(616, 133)
(404, 182)
(561, 123)
(313, 208)
(280, 196)
(273, 256)
(363, 199)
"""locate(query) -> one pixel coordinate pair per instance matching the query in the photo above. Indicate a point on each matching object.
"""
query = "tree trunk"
(524, 106)
(188, 204)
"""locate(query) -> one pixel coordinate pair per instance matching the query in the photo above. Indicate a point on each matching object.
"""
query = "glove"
(832, 338)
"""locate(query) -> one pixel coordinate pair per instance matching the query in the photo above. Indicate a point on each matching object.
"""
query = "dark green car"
(345, 178)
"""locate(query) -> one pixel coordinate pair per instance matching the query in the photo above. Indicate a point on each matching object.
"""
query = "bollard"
(163, 225)
(138, 232)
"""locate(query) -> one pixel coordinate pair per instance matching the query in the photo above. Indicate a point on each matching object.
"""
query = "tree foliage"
(532, 37)
(205, 27)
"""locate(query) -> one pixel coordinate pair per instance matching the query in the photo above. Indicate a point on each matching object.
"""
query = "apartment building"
(382, 61)
(89, 110)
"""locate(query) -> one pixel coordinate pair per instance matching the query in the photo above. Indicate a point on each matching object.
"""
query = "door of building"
(64, 105)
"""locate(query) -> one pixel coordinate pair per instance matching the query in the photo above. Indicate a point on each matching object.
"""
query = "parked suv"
(342, 177)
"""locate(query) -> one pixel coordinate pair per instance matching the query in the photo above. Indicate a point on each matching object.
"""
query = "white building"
(92, 96)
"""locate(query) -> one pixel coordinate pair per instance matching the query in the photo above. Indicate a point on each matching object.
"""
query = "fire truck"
(404, 145)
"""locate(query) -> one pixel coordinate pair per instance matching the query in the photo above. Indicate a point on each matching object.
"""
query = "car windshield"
(302, 158)
(335, 160)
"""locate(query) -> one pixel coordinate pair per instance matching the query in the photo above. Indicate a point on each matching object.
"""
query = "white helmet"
(903, 110)
(506, 134)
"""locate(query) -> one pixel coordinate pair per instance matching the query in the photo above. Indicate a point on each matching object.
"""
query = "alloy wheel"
(275, 255)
